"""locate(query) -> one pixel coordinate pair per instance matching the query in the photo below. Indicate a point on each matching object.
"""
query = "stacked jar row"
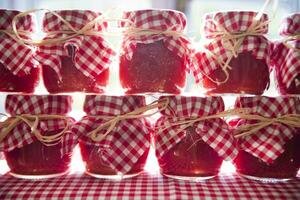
(192, 136)
(155, 55)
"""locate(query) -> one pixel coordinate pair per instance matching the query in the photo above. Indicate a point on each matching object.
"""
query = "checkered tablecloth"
(146, 186)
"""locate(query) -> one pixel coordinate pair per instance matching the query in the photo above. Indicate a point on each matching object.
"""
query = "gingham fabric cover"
(127, 142)
(21, 135)
(160, 20)
(268, 143)
(286, 60)
(233, 22)
(91, 54)
(17, 58)
(214, 132)
(290, 25)
(147, 186)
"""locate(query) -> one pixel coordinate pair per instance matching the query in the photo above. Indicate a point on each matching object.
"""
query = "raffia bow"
(68, 34)
(133, 31)
(33, 121)
(86, 30)
(232, 41)
(114, 120)
(26, 62)
(185, 123)
(290, 39)
(290, 120)
(12, 34)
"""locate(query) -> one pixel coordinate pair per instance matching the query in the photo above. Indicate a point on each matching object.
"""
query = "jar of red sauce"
(30, 155)
(286, 56)
(122, 153)
(79, 63)
(271, 153)
(155, 55)
(19, 70)
(194, 152)
(235, 58)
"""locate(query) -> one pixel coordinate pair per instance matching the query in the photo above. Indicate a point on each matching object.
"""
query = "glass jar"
(257, 159)
(97, 167)
(77, 64)
(196, 152)
(285, 167)
(26, 154)
(286, 51)
(19, 70)
(122, 153)
(236, 57)
(155, 55)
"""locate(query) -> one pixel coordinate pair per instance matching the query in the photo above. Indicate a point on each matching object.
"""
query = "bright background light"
(77, 165)
(194, 9)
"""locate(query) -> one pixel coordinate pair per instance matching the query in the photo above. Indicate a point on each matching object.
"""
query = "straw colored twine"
(32, 121)
(136, 32)
(87, 30)
(68, 34)
(232, 41)
(112, 122)
(290, 39)
(291, 120)
(12, 35)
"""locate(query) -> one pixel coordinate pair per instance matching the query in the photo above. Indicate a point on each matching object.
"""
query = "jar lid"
(233, 22)
(184, 106)
(156, 19)
(290, 25)
(112, 105)
(25, 23)
(38, 104)
(76, 18)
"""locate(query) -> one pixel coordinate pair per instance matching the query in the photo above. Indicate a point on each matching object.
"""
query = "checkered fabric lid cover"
(91, 54)
(232, 22)
(16, 57)
(21, 135)
(214, 132)
(159, 20)
(130, 138)
(287, 60)
(268, 143)
(290, 25)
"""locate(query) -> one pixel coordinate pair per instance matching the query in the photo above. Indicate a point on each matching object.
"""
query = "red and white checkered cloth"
(21, 135)
(287, 60)
(158, 20)
(130, 138)
(232, 22)
(290, 25)
(16, 57)
(214, 132)
(268, 143)
(91, 54)
(146, 186)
